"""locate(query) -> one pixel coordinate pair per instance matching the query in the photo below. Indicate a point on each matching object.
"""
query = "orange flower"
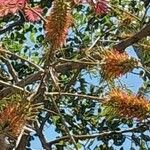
(123, 104)
(126, 19)
(12, 119)
(116, 64)
(14, 116)
(58, 23)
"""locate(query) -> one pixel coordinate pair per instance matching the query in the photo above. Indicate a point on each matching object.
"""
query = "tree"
(62, 65)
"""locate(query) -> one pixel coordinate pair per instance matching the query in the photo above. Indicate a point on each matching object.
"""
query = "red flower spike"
(31, 15)
(101, 7)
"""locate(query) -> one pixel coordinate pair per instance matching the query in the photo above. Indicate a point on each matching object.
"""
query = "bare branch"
(133, 39)
(10, 68)
(80, 62)
(65, 124)
(11, 26)
(22, 59)
(44, 143)
(85, 137)
(14, 87)
(75, 95)
(28, 80)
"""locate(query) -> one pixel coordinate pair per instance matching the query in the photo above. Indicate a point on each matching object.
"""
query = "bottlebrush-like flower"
(58, 23)
(12, 120)
(10, 6)
(15, 115)
(123, 104)
(116, 64)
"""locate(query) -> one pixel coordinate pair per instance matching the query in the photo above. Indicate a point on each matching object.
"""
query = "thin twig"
(54, 78)
(64, 122)
(73, 79)
(28, 80)
(50, 111)
(147, 8)
(99, 99)
(22, 59)
(14, 87)
(56, 107)
(145, 69)
(10, 68)
(19, 138)
(14, 24)
(113, 7)
(81, 61)
(103, 134)
(94, 43)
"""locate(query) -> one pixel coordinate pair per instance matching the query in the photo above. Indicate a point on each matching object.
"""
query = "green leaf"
(33, 37)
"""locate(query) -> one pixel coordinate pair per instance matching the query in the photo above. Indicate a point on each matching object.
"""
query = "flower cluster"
(10, 6)
(12, 119)
(14, 116)
(116, 64)
(99, 6)
(58, 23)
(31, 15)
(123, 104)
(13, 6)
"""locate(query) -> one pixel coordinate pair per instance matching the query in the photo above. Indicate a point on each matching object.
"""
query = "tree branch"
(63, 67)
(10, 27)
(65, 124)
(133, 39)
(10, 68)
(37, 76)
(28, 80)
(75, 95)
(44, 143)
(100, 135)
(23, 142)
(22, 59)
(14, 87)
